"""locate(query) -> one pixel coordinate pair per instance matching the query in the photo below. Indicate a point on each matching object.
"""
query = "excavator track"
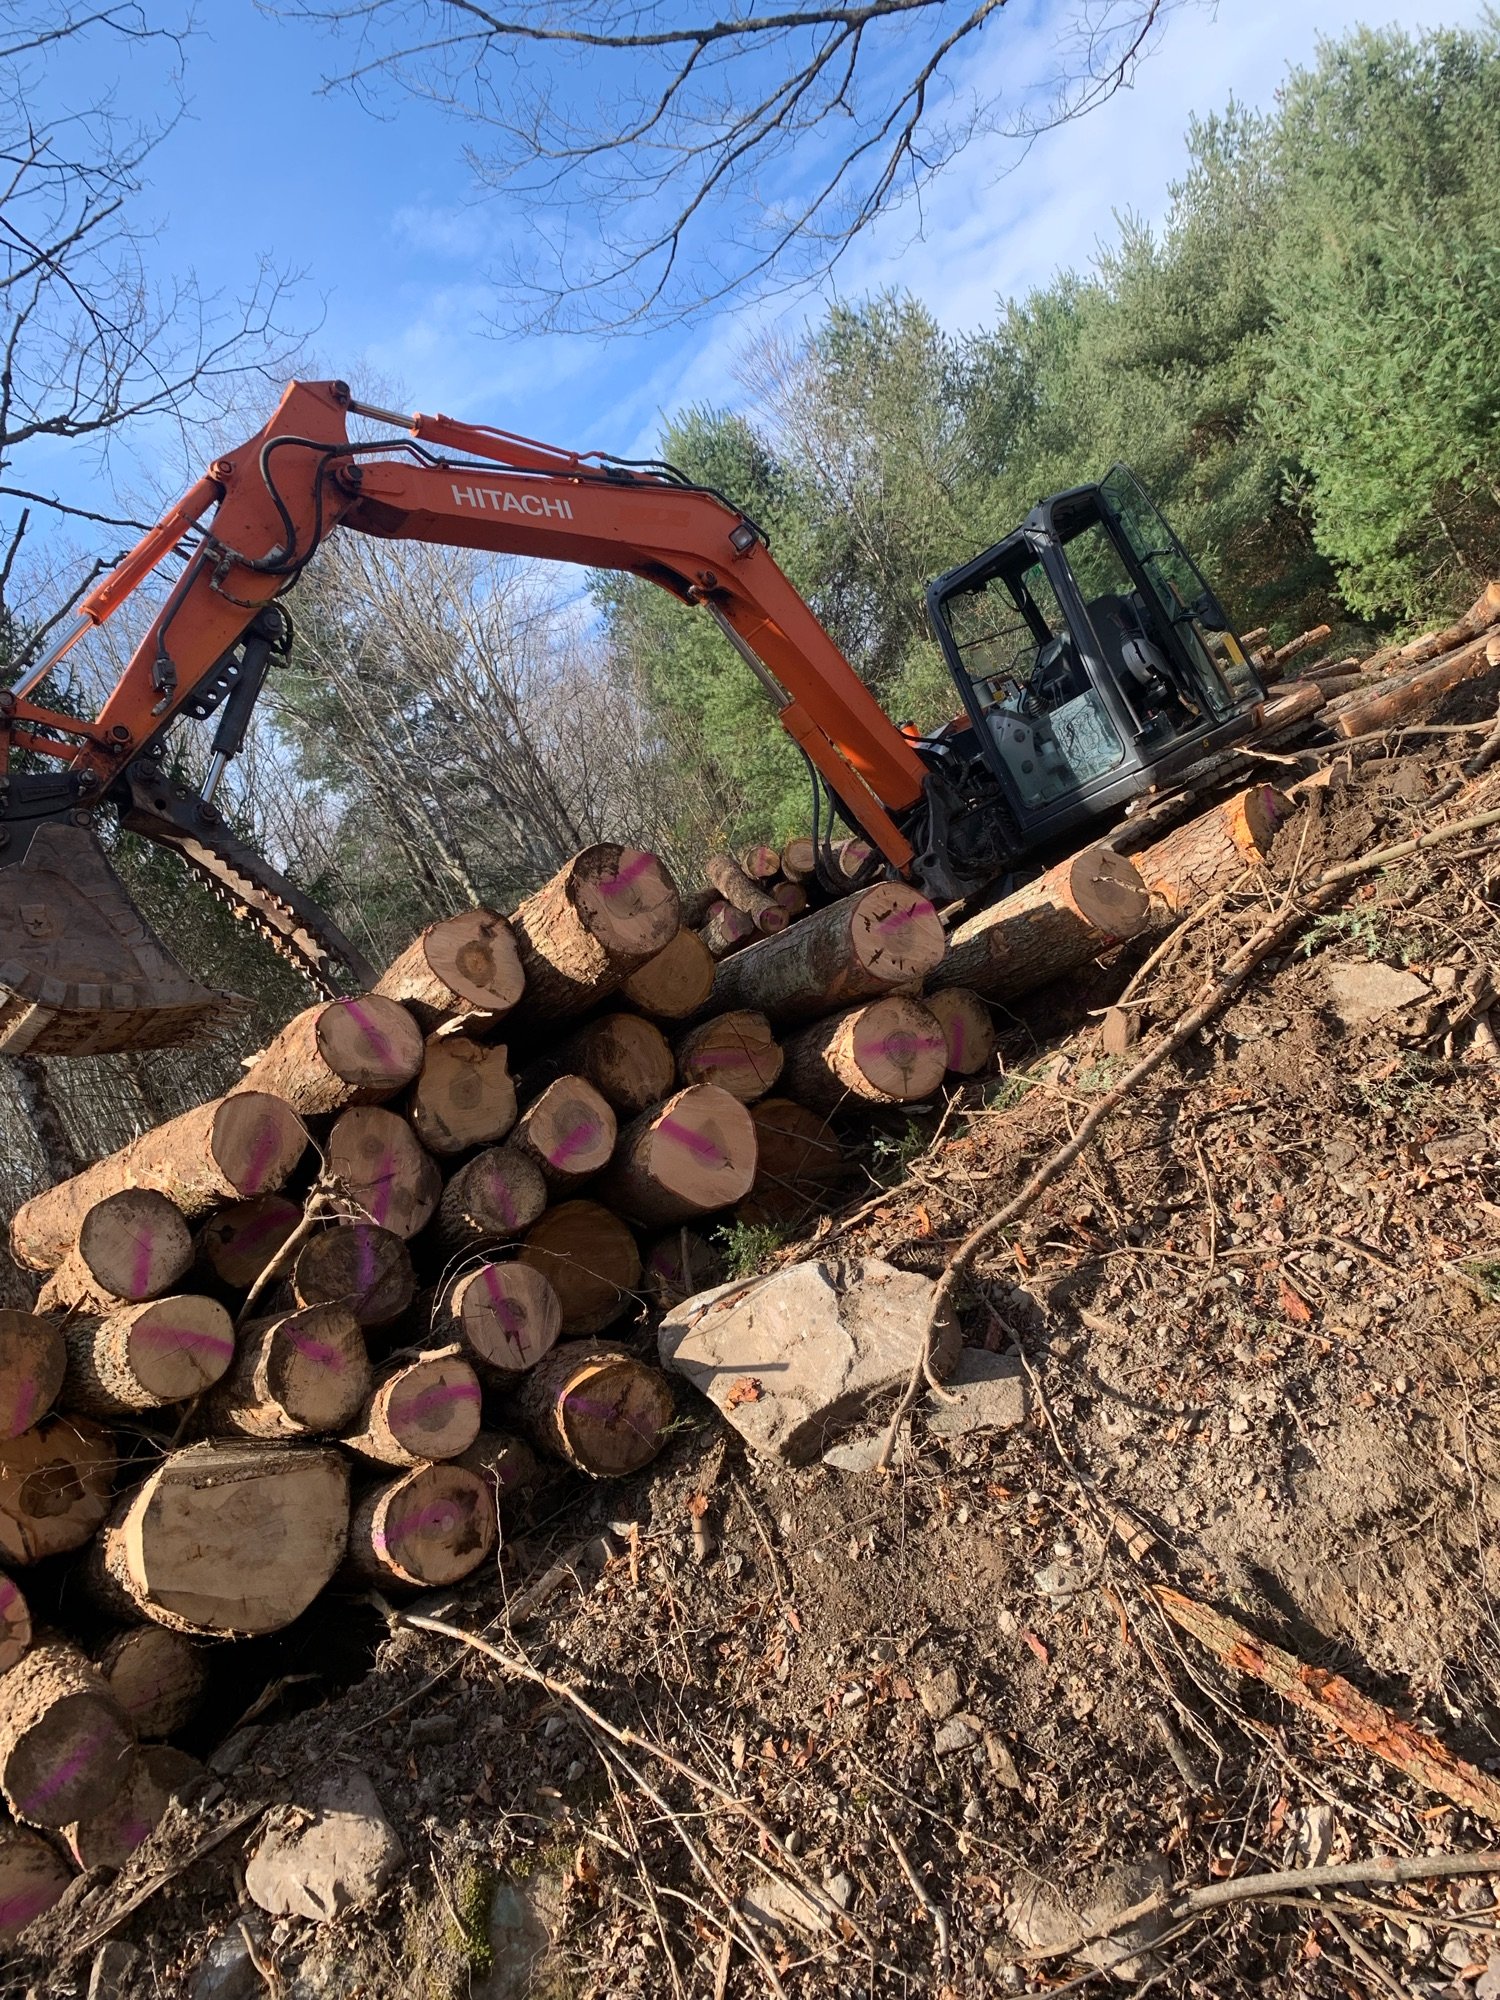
(238, 877)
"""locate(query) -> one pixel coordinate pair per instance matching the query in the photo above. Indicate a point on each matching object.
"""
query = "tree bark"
(241, 1241)
(424, 1530)
(504, 1316)
(599, 919)
(33, 1361)
(687, 1157)
(157, 1676)
(296, 1375)
(56, 1483)
(131, 1246)
(1480, 616)
(858, 947)
(228, 1539)
(1392, 702)
(33, 1087)
(463, 968)
(1213, 851)
(108, 1839)
(226, 1150)
(589, 1257)
(424, 1410)
(967, 1029)
(365, 1270)
(146, 1356)
(678, 1264)
(15, 1624)
(568, 1133)
(490, 1200)
(736, 1051)
(598, 1408)
(725, 928)
(1277, 661)
(339, 1053)
(676, 982)
(464, 1096)
(626, 1060)
(1289, 710)
(741, 893)
(1051, 927)
(888, 1051)
(65, 1747)
(384, 1169)
(33, 1876)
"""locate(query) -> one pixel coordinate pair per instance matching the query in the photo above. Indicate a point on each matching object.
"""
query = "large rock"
(333, 1858)
(800, 1356)
(1365, 990)
(992, 1391)
(1042, 1918)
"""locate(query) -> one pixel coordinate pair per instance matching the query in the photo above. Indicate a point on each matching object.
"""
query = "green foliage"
(746, 1246)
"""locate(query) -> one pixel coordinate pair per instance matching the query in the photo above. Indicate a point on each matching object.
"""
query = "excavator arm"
(260, 514)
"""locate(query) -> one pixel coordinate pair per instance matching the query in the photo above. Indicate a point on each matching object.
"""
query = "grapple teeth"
(81, 973)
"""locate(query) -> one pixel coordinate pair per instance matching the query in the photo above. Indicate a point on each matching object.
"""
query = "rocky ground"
(755, 1728)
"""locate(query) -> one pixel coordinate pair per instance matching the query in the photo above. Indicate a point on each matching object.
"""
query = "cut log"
(889, 1051)
(857, 948)
(1334, 686)
(15, 1623)
(1051, 927)
(339, 1053)
(724, 928)
(852, 860)
(1251, 641)
(226, 1150)
(799, 861)
(792, 898)
(687, 1157)
(507, 1465)
(742, 893)
(423, 1410)
(385, 1170)
(590, 1259)
(156, 1676)
(967, 1029)
(300, 1374)
(679, 1264)
(65, 1747)
(1392, 702)
(737, 1051)
(695, 908)
(147, 1356)
(761, 864)
(33, 1361)
(794, 1145)
(676, 982)
(359, 1266)
(1287, 712)
(492, 1199)
(1480, 616)
(464, 1097)
(424, 1530)
(1213, 851)
(568, 1133)
(463, 967)
(504, 1316)
(229, 1539)
(157, 1776)
(626, 1059)
(132, 1245)
(599, 919)
(243, 1239)
(598, 1408)
(33, 1876)
(1282, 656)
(56, 1483)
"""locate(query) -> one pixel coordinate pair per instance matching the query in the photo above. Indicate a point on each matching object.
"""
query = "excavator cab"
(1092, 658)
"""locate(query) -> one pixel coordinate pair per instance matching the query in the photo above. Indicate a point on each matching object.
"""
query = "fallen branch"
(1214, 997)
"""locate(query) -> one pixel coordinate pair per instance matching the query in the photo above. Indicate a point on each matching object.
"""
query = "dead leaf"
(697, 1506)
(1038, 1648)
(1293, 1304)
(746, 1390)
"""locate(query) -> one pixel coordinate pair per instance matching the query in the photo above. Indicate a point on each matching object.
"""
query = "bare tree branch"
(669, 160)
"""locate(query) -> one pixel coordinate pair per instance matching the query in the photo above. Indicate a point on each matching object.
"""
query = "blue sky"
(381, 218)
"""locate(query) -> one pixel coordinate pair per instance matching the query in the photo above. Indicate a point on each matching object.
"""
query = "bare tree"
(672, 158)
(91, 344)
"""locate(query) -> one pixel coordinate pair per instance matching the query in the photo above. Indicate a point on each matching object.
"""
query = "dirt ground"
(896, 1734)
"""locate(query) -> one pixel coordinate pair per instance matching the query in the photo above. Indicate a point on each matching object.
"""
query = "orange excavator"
(1091, 660)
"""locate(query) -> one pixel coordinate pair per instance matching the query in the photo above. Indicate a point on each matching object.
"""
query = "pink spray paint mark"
(574, 1142)
(719, 1058)
(315, 1349)
(698, 1143)
(437, 1515)
(133, 1831)
(140, 1270)
(501, 1306)
(258, 1230)
(154, 1335)
(67, 1771)
(501, 1201)
(8, 1594)
(381, 1187)
(24, 1408)
(364, 1263)
(955, 1043)
(577, 1402)
(261, 1155)
(630, 872)
(442, 1396)
(19, 1910)
(379, 1042)
(903, 1047)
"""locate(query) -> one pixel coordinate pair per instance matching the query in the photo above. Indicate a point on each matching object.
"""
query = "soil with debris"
(889, 1735)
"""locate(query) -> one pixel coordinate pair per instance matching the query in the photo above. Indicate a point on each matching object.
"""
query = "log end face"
(1107, 891)
(475, 956)
(136, 1243)
(370, 1043)
(179, 1346)
(256, 1140)
(627, 901)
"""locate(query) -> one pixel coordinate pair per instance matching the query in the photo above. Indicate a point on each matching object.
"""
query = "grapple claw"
(81, 973)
